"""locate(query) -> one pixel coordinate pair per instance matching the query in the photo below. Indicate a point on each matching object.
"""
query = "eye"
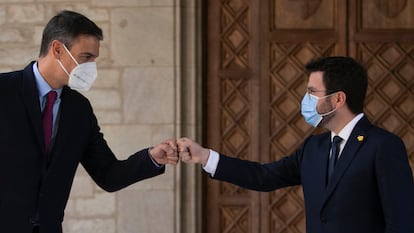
(86, 57)
(310, 91)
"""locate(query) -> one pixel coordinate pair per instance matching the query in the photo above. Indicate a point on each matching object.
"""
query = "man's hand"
(191, 152)
(165, 152)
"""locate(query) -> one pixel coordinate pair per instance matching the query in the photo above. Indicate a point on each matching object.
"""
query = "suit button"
(323, 220)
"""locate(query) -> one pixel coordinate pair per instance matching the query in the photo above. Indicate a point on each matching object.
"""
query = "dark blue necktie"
(334, 155)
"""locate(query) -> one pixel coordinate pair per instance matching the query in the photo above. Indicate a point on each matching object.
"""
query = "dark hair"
(343, 74)
(65, 27)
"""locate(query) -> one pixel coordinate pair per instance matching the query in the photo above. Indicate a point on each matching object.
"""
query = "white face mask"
(82, 76)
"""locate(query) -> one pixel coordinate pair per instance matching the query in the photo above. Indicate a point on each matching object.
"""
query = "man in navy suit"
(47, 128)
(362, 183)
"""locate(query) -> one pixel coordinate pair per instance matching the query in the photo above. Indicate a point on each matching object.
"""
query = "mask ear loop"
(333, 110)
(64, 46)
(61, 65)
(327, 113)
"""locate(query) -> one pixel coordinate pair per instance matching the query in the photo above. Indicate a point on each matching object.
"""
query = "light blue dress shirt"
(44, 88)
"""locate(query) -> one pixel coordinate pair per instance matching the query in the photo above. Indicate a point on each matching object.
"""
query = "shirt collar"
(42, 86)
(347, 130)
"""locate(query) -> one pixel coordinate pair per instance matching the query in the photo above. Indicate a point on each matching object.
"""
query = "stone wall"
(137, 99)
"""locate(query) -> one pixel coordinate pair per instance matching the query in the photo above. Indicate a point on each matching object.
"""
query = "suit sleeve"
(260, 177)
(110, 173)
(395, 182)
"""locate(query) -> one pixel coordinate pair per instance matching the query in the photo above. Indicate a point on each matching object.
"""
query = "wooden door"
(256, 52)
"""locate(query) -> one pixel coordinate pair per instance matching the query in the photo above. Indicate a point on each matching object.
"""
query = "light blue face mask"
(310, 111)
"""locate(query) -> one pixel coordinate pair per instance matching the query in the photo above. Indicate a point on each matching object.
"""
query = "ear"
(340, 99)
(56, 49)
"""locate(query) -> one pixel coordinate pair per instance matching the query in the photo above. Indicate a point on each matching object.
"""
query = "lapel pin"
(360, 138)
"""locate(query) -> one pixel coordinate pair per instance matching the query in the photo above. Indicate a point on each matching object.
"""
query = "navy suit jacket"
(28, 183)
(371, 191)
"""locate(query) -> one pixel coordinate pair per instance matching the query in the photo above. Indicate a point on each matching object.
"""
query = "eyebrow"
(87, 54)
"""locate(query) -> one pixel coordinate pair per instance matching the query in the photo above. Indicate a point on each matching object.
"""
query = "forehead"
(86, 44)
(316, 80)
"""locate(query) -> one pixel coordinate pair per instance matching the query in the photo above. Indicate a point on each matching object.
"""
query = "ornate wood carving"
(390, 97)
(385, 14)
(235, 95)
(307, 7)
(234, 219)
(235, 34)
(301, 14)
(390, 8)
(231, 105)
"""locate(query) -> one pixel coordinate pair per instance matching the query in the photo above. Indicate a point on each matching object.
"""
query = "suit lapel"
(68, 113)
(323, 163)
(354, 143)
(31, 101)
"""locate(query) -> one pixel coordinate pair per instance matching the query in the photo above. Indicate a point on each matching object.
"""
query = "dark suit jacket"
(27, 185)
(371, 191)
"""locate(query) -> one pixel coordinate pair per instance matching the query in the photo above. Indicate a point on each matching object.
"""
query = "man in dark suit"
(355, 178)
(43, 139)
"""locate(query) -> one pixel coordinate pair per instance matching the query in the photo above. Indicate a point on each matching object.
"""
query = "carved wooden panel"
(387, 14)
(235, 124)
(234, 219)
(300, 14)
(232, 116)
(234, 34)
(383, 39)
(390, 99)
(286, 211)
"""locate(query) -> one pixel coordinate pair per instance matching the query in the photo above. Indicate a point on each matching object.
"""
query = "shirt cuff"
(212, 163)
(159, 166)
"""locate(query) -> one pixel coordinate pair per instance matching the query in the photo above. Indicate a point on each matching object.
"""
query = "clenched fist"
(165, 152)
(191, 152)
